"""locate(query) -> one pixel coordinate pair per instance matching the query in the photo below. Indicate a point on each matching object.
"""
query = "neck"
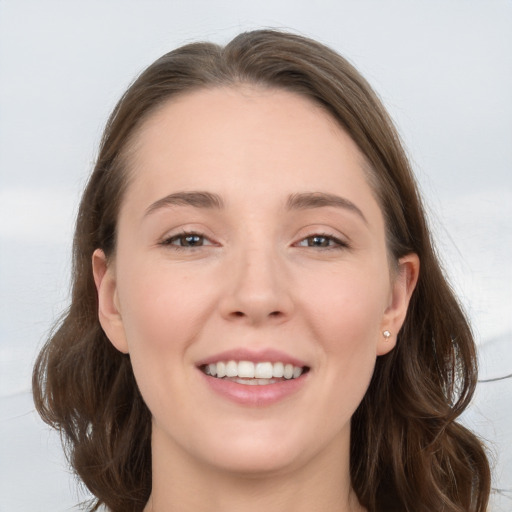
(188, 485)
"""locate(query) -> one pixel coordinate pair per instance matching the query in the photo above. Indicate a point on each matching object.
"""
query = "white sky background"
(443, 69)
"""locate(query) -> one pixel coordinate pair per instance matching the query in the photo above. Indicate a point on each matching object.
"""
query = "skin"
(254, 280)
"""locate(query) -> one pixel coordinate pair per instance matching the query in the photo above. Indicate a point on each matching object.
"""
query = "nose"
(259, 289)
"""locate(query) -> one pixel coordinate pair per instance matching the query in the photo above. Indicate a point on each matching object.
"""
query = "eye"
(322, 241)
(186, 240)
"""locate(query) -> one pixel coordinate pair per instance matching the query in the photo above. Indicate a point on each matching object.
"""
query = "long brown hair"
(408, 453)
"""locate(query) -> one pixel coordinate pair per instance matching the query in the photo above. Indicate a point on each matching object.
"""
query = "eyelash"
(334, 242)
(168, 242)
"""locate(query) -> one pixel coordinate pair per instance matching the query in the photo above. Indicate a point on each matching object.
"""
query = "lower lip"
(256, 396)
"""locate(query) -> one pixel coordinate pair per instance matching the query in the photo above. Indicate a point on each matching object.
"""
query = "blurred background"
(443, 69)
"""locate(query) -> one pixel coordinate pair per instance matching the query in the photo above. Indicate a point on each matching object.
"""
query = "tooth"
(258, 373)
(246, 369)
(254, 382)
(246, 382)
(221, 369)
(263, 371)
(277, 370)
(231, 369)
(263, 382)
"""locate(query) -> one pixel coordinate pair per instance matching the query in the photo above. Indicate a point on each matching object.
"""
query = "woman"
(258, 318)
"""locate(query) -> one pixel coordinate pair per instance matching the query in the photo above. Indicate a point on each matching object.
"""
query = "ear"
(405, 279)
(109, 313)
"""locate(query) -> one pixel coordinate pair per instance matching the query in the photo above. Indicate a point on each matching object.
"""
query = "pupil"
(319, 241)
(192, 240)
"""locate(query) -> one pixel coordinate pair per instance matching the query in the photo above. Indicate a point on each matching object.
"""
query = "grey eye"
(319, 241)
(191, 240)
(186, 240)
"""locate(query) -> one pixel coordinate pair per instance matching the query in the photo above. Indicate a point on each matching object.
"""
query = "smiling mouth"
(253, 374)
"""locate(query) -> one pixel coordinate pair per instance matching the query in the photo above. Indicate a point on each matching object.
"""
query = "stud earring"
(386, 334)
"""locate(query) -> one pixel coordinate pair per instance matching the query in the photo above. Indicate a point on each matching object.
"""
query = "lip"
(253, 396)
(256, 356)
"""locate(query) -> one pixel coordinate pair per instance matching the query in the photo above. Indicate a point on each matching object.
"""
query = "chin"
(257, 449)
(256, 461)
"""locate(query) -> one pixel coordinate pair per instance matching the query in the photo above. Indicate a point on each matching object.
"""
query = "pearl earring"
(386, 335)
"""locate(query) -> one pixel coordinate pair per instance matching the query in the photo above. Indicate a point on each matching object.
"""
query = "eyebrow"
(309, 200)
(196, 199)
(300, 201)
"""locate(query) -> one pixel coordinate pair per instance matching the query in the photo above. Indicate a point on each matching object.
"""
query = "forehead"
(248, 125)
(225, 138)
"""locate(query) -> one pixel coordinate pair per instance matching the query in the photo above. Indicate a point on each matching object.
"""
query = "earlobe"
(402, 288)
(109, 313)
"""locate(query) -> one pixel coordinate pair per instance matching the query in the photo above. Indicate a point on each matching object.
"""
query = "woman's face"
(250, 243)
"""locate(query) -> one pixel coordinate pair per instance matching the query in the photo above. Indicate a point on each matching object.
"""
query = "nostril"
(272, 314)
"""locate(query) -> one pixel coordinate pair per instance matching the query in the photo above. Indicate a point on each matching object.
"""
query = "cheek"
(345, 311)
(347, 306)
(160, 306)
(164, 312)
(160, 321)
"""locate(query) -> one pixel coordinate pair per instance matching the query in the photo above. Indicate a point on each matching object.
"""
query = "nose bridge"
(257, 279)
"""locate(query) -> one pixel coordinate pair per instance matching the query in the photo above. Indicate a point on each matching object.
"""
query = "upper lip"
(269, 355)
